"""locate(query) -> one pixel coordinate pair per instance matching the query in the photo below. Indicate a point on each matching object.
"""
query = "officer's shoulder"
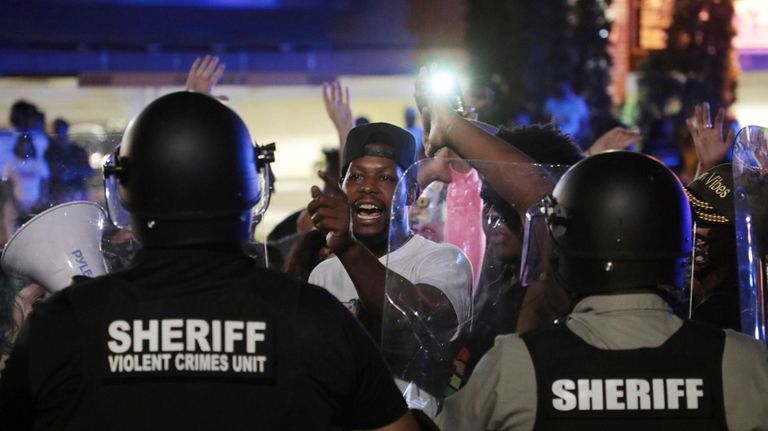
(543, 334)
(313, 293)
(507, 349)
(306, 291)
(316, 302)
(55, 306)
(62, 298)
(57, 301)
(82, 284)
(746, 346)
(505, 340)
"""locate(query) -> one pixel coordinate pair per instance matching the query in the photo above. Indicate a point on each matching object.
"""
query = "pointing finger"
(315, 191)
(331, 187)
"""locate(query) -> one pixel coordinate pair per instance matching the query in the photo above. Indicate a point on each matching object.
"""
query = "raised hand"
(436, 168)
(204, 74)
(330, 214)
(708, 139)
(436, 113)
(618, 138)
(337, 106)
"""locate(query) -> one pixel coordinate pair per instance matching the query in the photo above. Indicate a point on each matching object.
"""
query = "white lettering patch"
(627, 394)
(184, 346)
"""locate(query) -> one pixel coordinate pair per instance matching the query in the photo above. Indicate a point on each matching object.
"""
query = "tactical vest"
(677, 385)
(169, 351)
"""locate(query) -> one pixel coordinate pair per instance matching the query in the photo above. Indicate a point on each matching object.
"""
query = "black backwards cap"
(711, 196)
(399, 145)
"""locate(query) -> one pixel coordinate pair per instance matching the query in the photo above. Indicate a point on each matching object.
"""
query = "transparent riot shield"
(750, 178)
(445, 301)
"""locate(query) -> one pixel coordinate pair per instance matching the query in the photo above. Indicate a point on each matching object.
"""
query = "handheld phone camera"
(447, 85)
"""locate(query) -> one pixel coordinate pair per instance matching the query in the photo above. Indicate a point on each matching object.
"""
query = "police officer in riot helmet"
(194, 335)
(618, 227)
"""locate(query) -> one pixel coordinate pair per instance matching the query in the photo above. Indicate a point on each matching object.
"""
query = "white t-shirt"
(26, 176)
(419, 261)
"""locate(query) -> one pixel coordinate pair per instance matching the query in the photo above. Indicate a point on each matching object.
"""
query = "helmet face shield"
(537, 243)
(265, 155)
(258, 210)
(121, 217)
(117, 213)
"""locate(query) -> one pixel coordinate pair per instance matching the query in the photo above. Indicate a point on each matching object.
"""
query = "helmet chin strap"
(691, 276)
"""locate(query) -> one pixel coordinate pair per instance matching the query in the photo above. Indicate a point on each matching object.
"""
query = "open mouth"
(369, 211)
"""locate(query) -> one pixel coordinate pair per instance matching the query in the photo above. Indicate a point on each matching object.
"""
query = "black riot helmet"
(619, 221)
(187, 172)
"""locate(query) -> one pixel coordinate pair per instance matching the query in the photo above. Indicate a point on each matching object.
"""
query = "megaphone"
(57, 244)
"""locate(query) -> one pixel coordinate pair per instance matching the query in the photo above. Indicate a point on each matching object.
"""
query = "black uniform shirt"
(190, 339)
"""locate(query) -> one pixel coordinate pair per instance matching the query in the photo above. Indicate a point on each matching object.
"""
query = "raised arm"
(338, 108)
(490, 155)
(708, 138)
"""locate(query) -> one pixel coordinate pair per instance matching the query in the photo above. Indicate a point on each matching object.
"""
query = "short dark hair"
(21, 112)
(543, 143)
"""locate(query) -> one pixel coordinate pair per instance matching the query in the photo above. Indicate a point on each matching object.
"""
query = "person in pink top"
(463, 221)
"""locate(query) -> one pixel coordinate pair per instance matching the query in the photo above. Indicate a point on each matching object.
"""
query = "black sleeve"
(348, 364)
(16, 408)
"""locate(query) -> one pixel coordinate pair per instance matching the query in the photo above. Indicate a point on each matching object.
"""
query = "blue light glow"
(223, 4)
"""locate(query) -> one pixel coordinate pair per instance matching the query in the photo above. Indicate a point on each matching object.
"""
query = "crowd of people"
(455, 276)
(39, 169)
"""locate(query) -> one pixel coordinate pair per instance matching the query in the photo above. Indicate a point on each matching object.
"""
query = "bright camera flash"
(442, 83)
